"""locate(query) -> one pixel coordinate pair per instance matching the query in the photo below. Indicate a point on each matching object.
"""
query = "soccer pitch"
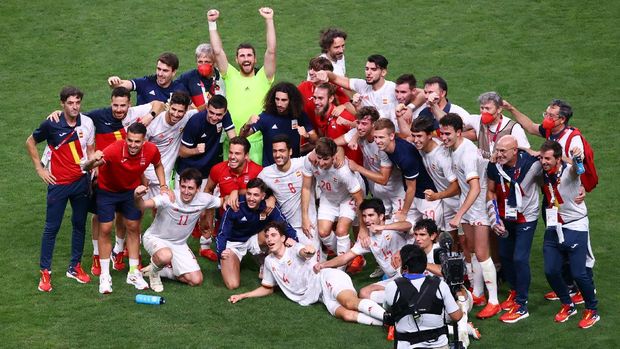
(530, 52)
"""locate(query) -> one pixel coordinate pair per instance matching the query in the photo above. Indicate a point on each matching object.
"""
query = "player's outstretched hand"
(114, 81)
(213, 15)
(235, 298)
(266, 12)
(54, 116)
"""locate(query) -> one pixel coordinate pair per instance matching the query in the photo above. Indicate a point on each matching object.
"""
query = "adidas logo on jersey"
(204, 135)
(274, 127)
(152, 93)
(244, 219)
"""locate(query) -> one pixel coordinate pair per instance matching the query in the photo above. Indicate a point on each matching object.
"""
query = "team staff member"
(70, 141)
(429, 329)
(205, 81)
(512, 183)
(121, 167)
(567, 233)
(157, 87)
(246, 87)
(283, 114)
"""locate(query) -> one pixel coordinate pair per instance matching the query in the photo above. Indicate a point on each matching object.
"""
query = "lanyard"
(552, 199)
(494, 138)
(513, 182)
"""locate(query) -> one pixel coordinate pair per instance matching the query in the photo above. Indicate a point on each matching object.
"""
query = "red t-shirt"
(122, 172)
(228, 180)
(333, 131)
(307, 91)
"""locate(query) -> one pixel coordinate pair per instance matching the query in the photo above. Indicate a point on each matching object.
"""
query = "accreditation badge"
(552, 216)
(510, 211)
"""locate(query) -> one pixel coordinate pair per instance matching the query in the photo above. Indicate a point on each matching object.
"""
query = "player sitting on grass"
(290, 268)
(166, 239)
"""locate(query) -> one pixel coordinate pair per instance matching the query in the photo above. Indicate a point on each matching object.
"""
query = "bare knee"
(193, 278)
(163, 257)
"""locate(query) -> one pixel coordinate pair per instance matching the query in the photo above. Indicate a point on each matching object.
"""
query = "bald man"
(512, 206)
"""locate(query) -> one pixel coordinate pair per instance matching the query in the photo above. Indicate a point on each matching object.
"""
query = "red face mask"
(548, 123)
(486, 118)
(205, 70)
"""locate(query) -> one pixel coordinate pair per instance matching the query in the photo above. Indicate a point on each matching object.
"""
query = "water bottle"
(148, 299)
(578, 162)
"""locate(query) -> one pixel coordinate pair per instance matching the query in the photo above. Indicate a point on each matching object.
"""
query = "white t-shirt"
(425, 321)
(294, 275)
(517, 131)
(575, 214)
(175, 221)
(339, 66)
(383, 246)
(438, 164)
(384, 99)
(336, 185)
(286, 188)
(167, 138)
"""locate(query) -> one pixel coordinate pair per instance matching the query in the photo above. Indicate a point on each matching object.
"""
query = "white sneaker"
(137, 280)
(105, 284)
(146, 270)
(377, 273)
(155, 281)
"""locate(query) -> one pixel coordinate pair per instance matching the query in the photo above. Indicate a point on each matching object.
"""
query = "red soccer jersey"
(307, 91)
(333, 131)
(122, 172)
(228, 181)
(103, 140)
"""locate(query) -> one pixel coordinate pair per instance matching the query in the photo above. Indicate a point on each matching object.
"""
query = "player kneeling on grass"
(166, 239)
(385, 241)
(290, 268)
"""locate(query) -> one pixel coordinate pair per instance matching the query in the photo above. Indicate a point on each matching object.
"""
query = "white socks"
(205, 243)
(166, 272)
(371, 308)
(478, 282)
(377, 296)
(105, 266)
(343, 244)
(95, 247)
(367, 320)
(329, 241)
(490, 279)
(119, 246)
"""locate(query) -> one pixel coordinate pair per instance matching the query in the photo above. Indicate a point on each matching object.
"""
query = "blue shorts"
(108, 203)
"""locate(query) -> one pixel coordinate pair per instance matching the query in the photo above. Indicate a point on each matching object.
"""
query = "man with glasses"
(511, 190)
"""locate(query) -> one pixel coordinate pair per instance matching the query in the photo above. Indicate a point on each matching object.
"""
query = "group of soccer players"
(294, 170)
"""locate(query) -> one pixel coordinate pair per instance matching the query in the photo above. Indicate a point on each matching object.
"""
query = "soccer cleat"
(45, 283)
(510, 301)
(137, 280)
(551, 296)
(577, 298)
(208, 254)
(95, 269)
(390, 335)
(516, 313)
(377, 273)
(154, 280)
(565, 312)
(590, 317)
(76, 272)
(117, 261)
(489, 311)
(356, 265)
(105, 284)
(196, 232)
(479, 301)
(473, 331)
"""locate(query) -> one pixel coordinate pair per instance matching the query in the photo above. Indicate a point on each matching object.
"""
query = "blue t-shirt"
(241, 225)
(407, 158)
(426, 113)
(192, 81)
(199, 130)
(271, 125)
(148, 90)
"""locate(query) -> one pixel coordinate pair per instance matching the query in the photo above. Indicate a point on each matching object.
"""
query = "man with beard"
(332, 42)
(409, 99)
(246, 87)
(121, 167)
(437, 103)
(157, 87)
(374, 91)
(283, 114)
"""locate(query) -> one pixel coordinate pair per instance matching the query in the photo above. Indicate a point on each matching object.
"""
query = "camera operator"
(419, 311)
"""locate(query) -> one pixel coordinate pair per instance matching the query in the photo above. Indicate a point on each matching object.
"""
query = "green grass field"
(529, 51)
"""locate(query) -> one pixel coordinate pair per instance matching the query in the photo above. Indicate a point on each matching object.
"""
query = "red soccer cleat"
(76, 272)
(208, 254)
(95, 269)
(510, 301)
(565, 312)
(479, 301)
(590, 317)
(117, 261)
(489, 311)
(45, 283)
(356, 265)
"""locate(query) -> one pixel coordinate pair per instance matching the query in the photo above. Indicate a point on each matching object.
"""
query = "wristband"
(212, 26)
(163, 186)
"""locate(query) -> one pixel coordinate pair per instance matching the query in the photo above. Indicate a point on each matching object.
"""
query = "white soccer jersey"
(575, 216)
(167, 138)
(467, 163)
(383, 246)
(374, 159)
(294, 275)
(175, 221)
(134, 113)
(438, 164)
(336, 185)
(286, 188)
(384, 99)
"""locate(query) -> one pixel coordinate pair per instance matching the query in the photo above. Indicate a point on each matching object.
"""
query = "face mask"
(486, 118)
(205, 70)
(548, 123)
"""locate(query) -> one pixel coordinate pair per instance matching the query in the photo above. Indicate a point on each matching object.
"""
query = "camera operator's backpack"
(414, 303)
(589, 179)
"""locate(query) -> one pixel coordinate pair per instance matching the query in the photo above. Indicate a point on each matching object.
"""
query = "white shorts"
(241, 248)
(334, 281)
(422, 209)
(392, 201)
(305, 240)
(183, 259)
(449, 206)
(330, 212)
